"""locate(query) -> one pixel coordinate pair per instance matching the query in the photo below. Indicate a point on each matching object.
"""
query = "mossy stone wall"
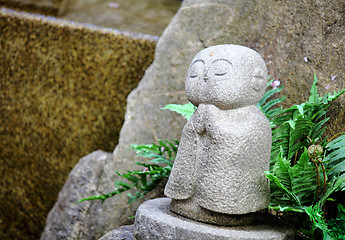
(63, 89)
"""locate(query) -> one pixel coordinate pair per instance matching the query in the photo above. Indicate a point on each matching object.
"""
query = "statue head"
(227, 76)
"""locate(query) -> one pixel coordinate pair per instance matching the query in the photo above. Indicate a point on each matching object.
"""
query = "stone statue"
(218, 175)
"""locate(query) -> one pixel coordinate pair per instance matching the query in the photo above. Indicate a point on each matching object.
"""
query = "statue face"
(227, 76)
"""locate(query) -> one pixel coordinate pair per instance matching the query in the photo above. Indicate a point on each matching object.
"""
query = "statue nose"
(205, 76)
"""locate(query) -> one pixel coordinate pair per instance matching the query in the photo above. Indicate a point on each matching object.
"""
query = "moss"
(63, 90)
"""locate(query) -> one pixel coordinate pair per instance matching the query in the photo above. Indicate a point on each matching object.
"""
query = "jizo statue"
(218, 175)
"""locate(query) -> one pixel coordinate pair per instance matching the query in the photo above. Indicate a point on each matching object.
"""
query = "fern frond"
(333, 97)
(314, 96)
(335, 158)
(292, 186)
(339, 142)
(303, 179)
(279, 208)
(265, 108)
(280, 185)
(268, 93)
(315, 214)
(339, 168)
(317, 130)
(271, 113)
(318, 112)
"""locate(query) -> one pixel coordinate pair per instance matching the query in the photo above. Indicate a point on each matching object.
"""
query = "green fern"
(335, 160)
(292, 185)
(161, 157)
(314, 96)
(302, 174)
(266, 106)
(337, 225)
(318, 221)
(301, 125)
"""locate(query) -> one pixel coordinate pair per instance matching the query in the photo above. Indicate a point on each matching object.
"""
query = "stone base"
(154, 220)
(121, 233)
(190, 209)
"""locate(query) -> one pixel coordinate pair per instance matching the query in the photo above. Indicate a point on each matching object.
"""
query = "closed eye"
(193, 75)
(221, 66)
(196, 68)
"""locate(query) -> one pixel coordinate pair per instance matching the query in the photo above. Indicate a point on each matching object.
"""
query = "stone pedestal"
(154, 220)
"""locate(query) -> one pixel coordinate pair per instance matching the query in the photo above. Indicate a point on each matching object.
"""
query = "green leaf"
(316, 132)
(333, 186)
(119, 183)
(285, 208)
(271, 103)
(337, 225)
(292, 124)
(303, 179)
(162, 160)
(279, 184)
(185, 110)
(315, 215)
(314, 96)
(300, 108)
(339, 142)
(268, 93)
(331, 97)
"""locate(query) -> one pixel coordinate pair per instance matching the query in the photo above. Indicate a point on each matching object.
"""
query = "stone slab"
(154, 220)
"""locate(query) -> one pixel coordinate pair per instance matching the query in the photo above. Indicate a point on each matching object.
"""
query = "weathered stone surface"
(191, 209)
(67, 218)
(225, 146)
(283, 32)
(154, 220)
(47, 7)
(145, 17)
(121, 233)
(148, 17)
(89, 219)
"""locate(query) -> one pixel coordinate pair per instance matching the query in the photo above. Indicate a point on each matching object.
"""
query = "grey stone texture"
(282, 32)
(68, 220)
(148, 17)
(191, 209)
(227, 76)
(89, 219)
(154, 221)
(225, 146)
(121, 233)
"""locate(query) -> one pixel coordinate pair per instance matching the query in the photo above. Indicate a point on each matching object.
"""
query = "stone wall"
(63, 89)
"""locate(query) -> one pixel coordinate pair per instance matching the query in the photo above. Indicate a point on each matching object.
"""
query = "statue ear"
(259, 79)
